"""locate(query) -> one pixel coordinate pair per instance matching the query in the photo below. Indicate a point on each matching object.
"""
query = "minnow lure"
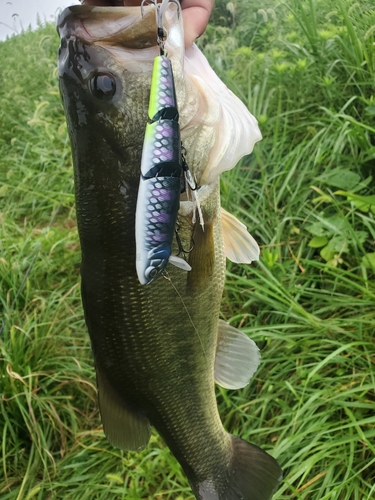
(161, 172)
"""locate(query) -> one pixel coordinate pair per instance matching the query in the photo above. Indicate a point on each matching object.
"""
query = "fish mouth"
(109, 22)
(110, 3)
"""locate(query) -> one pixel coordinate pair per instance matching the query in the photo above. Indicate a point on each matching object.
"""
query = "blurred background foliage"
(305, 69)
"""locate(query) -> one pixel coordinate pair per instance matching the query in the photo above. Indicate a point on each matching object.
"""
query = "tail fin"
(251, 475)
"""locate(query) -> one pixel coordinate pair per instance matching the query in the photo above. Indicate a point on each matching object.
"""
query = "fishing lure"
(162, 169)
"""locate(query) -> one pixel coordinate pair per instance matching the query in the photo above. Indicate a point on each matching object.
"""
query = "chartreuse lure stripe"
(163, 102)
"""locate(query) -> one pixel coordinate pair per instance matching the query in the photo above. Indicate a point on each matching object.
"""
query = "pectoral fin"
(123, 427)
(237, 357)
(239, 245)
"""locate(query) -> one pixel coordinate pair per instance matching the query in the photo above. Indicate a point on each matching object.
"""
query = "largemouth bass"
(158, 348)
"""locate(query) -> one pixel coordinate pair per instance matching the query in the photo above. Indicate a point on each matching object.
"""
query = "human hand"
(195, 13)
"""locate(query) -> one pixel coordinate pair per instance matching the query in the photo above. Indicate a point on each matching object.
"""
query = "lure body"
(160, 181)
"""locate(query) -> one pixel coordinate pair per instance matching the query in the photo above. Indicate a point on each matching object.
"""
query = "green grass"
(306, 70)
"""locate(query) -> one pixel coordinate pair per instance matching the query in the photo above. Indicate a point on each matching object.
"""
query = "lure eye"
(151, 273)
(103, 86)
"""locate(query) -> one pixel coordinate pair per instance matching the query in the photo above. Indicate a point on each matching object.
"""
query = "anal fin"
(237, 357)
(239, 245)
(123, 427)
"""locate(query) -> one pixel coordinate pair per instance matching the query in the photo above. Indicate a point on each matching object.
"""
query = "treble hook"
(143, 3)
(185, 167)
(155, 2)
(160, 11)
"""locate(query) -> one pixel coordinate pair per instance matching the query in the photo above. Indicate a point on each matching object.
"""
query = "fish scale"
(153, 333)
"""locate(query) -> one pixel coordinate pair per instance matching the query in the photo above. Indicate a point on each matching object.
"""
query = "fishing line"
(29, 269)
(167, 277)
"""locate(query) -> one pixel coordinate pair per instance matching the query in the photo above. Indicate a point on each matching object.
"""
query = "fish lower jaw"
(111, 23)
(110, 3)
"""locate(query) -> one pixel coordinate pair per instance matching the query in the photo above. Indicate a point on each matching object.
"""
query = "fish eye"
(103, 86)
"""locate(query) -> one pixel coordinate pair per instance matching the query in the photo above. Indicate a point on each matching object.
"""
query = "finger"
(196, 14)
